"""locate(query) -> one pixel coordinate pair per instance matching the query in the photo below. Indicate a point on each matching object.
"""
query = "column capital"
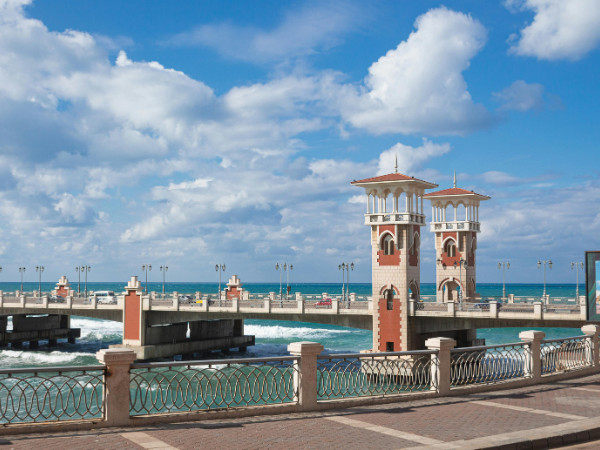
(305, 348)
(532, 335)
(591, 330)
(440, 343)
(110, 356)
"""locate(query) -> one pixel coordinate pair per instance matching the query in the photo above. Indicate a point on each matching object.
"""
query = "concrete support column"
(594, 350)
(537, 310)
(305, 373)
(441, 363)
(533, 355)
(493, 309)
(117, 394)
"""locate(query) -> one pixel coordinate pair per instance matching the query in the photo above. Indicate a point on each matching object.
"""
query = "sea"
(272, 336)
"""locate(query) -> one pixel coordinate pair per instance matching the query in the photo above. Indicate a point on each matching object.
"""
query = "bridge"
(167, 325)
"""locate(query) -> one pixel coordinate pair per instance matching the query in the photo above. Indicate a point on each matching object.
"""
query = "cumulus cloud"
(560, 29)
(521, 96)
(410, 158)
(419, 87)
(303, 31)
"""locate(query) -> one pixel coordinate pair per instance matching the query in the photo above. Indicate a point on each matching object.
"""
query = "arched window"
(387, 245)
(450, 248)
(414, 250)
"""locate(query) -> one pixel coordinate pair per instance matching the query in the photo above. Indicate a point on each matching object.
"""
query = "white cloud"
(410, 158)
(419, 87)
(561, 29)
(303, 31)
(521, 96)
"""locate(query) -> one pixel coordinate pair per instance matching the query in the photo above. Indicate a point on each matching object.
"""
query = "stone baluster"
(533, 357)
(117, 394)
(305, 372)
(594, 349)
(441, 363)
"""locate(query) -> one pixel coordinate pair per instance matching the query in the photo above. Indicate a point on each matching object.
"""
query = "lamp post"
(279, 268)
(461, 263)
(287, 269)
(85, 269)
(39, 269)
(220, 268)
(574, 265)
(146, 268)
(22, 271)
(78, 279)
(347, 267)
(164, 269)
(548, 263)
(504, 265)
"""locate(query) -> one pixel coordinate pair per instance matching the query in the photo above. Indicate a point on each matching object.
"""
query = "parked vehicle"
(186, 299)
(104, 297)
(56, 299)
(324, 302)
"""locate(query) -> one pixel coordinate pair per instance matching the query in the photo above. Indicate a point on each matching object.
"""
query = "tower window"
(388, 245)
(450, 248)
(389, 346)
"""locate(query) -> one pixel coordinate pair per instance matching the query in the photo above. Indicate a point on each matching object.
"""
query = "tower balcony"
(459, 225)
(393, 218)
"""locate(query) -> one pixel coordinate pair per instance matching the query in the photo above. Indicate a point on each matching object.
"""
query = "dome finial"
(455, 178)
(396, 164)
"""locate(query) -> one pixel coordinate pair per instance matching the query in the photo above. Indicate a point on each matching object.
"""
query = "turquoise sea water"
(272, 337)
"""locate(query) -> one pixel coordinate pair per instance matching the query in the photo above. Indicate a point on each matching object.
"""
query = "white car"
(105, 297)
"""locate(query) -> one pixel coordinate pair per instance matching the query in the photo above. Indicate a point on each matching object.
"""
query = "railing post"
(452, 308)
(533, 357)
(335, 306)
(267, 306)
(537, 310)
(22, 300)
(117, 394)
(441, 362)
(493, 309)
(592, 332)
(305, 373)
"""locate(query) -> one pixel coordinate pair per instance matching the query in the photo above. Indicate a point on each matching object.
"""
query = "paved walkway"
(553, 415)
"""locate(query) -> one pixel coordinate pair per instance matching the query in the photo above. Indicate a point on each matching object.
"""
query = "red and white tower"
(395, 215)
(455, 222)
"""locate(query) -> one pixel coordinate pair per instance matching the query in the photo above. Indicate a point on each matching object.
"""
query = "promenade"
(549, 415)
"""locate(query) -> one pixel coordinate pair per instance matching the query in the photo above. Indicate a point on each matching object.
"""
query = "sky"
(194, 133)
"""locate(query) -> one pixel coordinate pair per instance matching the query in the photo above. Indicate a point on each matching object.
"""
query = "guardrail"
(51, 394)
(137, 394)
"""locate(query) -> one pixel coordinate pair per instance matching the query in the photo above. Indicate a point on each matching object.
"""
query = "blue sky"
(194, 133)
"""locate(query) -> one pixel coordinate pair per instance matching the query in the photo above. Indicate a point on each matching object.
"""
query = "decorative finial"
(396, 165)
(455, 178)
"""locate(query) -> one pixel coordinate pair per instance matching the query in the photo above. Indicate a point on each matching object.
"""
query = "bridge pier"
(33, 329)
(165, 339)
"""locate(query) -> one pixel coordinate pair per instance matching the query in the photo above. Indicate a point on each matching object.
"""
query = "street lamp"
(85, 269)
(549, 264)
(22, 271)
(346, 267)
(289, 267)
(461, 263)
(39, 269)
(146, 268)
(164, 269)
(78, 279)
(504, 265)
(279, 268)
(220, 268)
(574, 265)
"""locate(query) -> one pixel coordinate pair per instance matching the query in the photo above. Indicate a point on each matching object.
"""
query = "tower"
(395, 215)
(455, 222)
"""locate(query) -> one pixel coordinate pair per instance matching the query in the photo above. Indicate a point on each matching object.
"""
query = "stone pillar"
(452, 307)
(305, 373)
(533, 357)
(335, 306)
(511, 298)
(352, 296)
(594, 350)
(117, 395)
(494, 309)
(537, 310)
(267, 306)
(134, 328)
(272, 296)
(441, 363)
(299, 297)
(411, 307)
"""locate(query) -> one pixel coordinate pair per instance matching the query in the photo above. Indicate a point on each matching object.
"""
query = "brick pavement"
(541, 416)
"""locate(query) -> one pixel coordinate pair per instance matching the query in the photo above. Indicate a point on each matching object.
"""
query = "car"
(56, 299)
(324, 302)
(104, 297)
(185, 299)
